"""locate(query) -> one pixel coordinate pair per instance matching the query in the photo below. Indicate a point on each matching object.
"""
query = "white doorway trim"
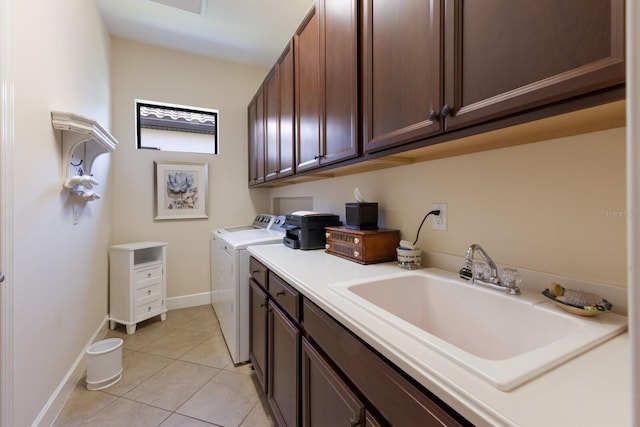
(7, 135)
(633, 198)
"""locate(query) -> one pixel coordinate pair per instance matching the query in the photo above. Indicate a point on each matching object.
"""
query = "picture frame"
(181, 190)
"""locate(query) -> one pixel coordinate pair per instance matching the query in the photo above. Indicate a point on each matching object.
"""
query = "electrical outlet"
(439, 222)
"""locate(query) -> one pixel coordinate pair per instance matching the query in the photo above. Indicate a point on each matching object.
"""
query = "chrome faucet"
(480, 276)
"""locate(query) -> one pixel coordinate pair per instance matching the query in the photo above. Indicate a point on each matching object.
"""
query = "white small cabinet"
(137, 283)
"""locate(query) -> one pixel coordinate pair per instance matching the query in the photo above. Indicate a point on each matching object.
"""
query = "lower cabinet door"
(283, 372)
(326, 399)
(258, 331)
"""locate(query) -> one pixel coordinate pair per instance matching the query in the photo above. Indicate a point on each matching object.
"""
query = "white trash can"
(104, 363)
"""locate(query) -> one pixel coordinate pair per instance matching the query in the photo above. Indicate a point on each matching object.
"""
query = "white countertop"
(592, 389)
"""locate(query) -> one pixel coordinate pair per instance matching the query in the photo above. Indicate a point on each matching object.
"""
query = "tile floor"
(176, 373)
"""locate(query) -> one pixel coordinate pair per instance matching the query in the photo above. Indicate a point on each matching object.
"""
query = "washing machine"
(230, 278)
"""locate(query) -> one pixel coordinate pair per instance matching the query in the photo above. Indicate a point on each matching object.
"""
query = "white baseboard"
(186, 301)
(54, 405)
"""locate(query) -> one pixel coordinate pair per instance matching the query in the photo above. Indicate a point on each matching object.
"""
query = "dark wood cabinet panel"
(401, 71)
(339, 50)
(272, 131)
(326, 57)
(428, 69)
(279, 121)
(506, 56)
(287, 112)
(258, 335)
(283, 362)
(256, 132)
(308, 91)
(326, 399)
(286, 297)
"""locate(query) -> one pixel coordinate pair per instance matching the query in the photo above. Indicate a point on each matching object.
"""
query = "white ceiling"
(252, 32)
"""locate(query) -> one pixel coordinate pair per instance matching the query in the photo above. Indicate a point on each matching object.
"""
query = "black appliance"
(305, 229)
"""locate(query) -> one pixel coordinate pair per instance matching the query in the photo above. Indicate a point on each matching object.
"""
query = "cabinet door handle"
(446, 110)
(433, 116)
(279, 294)
(354, 422)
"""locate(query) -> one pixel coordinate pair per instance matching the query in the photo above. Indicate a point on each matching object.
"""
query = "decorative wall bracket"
(83, 140)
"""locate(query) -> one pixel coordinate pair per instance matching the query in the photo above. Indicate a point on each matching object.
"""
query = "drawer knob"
(327, 246)
(148, 291)
(356, 240)
(149, 308)
(356, 254)
(327, 234)
(279, 294)
(148, 275)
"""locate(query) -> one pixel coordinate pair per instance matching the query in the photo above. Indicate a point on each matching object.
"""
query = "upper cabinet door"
(506, 56)
(256, 132)
(272, 118)
(339, 49)
(279, 112)
(287, 112)
(401, 71)
(307, 94)
(326, 76)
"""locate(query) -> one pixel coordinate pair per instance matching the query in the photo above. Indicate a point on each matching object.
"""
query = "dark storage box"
(363, 246)
(362, 216)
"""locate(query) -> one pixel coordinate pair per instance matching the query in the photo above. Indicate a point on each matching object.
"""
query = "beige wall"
(151, 73)
(555, 206)
(60, 62)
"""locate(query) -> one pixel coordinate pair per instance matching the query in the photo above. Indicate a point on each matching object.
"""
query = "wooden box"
(362, 246)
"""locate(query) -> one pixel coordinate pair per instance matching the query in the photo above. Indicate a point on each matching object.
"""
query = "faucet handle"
(481, 270)
(511, 277)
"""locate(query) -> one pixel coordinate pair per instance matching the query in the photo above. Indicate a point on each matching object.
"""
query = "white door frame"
(7, 132)
(633, 198)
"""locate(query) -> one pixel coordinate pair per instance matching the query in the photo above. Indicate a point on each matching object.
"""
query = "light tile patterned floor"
(175, 373)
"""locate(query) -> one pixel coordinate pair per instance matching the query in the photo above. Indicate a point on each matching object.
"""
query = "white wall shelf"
(83, 140)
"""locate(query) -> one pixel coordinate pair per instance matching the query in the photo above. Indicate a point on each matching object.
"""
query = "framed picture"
(181, 190)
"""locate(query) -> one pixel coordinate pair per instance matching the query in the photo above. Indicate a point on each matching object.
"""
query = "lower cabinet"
(327, 400)
(284, 356)
(258, 326)
(319, 374)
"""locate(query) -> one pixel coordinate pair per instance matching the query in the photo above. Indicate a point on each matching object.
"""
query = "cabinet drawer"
(143, 277)
(398, 401)
(258, 272)
(285, 296)
(148, 294)
(149, 308)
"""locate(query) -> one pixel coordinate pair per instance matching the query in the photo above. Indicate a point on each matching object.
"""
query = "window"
(170, 127)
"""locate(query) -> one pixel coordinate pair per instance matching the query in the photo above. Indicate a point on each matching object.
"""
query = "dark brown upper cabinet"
(279, 111)
(402, 71)
(431, 66)
(256, 132)
(326, 84)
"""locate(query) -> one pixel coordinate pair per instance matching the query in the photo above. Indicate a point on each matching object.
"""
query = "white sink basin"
(505, 339)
